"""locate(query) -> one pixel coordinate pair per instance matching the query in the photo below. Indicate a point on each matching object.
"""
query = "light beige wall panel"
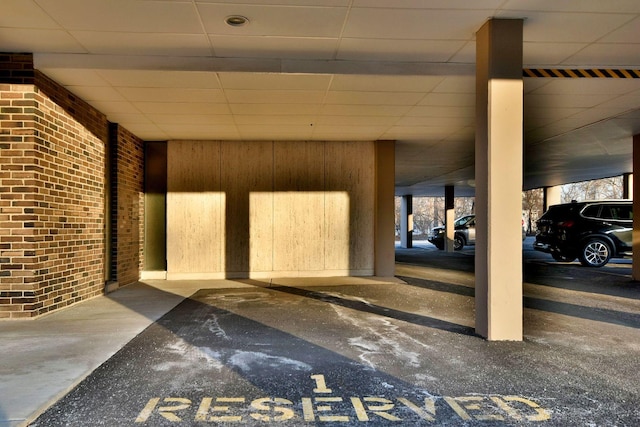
(247, 181)
(195, 213)
(349, 216)
(298, 206)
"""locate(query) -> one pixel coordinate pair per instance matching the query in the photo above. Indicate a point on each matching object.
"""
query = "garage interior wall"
(270, 209)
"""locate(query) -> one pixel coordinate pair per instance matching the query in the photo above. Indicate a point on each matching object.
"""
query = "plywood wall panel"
(195, 220)
(298, 206)
(247, 169)
(349, 213)
(237, 209)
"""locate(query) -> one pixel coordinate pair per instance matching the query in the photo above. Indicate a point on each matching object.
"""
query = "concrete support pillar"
(635, 270)
(552, 196)
(627, 185)
(385, 221)
(499, 121)
(406, 222)
(449, 218)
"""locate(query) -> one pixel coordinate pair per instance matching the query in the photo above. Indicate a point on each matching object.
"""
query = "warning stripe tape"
(601, 73)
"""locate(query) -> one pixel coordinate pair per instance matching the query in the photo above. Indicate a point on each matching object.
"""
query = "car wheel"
(440, 246)
(595, 253)
(458, 243)
(562, 257)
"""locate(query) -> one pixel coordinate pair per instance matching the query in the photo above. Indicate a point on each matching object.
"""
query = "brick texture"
(51, 205)
(16, 68)
(53, 192)
(127, 207)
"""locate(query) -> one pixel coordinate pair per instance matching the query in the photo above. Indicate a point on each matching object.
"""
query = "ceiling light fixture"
(236, 20)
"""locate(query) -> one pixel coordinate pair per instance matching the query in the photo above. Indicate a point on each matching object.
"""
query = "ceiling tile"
(266, 20)
(373, 98)
(275, 110)
(449, 99)
(274, 81)
(431, 4)
(442, 111)
(181, 108)
(361, 49)
(414, 24)
(566, 27)
(272, 46)
(352, 82)
(25, 14)
(156, 78)
(453, 122)
(626, 6)
(365, 110)
(616, 55)
(627, 33)
(124, 15)
(35, 40)
(78, 77)
(300, 120)
(115, 107)
(286, 2)
(172, 94)
(457, 84)
(144, 43)
(238, 96)
(546, 54)
(93, 93)
(356, 120)
(191, 119)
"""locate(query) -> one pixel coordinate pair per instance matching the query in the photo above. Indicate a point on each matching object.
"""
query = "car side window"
(592, 211)
(624, 212)
(617, 212)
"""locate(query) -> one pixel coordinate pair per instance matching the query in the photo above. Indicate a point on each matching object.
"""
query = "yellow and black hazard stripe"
(597, 73)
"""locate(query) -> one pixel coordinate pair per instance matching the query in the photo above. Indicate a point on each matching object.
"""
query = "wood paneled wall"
(270, 209)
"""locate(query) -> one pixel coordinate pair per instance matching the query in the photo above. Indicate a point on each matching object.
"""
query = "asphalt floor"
(337, 351)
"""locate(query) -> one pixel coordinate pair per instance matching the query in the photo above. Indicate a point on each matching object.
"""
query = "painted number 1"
(321, 385)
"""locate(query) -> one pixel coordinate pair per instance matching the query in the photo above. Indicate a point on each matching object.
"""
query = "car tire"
(595, 253)
(439, 246)
(458, 243)
(562, 257)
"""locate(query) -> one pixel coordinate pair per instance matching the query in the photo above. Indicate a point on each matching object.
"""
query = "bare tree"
(532, 206)
(598, 189)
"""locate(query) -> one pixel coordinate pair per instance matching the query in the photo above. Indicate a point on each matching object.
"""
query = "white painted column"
(449, 218)
(635, 193)
(499, 140)
(406, 221)
(552, 196)
(627, 186)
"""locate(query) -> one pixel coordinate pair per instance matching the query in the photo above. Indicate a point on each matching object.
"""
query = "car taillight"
(566, 224)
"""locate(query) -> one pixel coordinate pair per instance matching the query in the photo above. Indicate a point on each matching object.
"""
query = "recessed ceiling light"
(236, 20)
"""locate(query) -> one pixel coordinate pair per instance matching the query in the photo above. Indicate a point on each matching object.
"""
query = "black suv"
(594, 232)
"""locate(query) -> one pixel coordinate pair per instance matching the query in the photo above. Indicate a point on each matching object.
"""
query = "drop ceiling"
(345, 70)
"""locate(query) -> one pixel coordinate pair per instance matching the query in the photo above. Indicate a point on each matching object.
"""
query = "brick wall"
(51, 205)
(16, 68)
(53, 192)
(127, 191)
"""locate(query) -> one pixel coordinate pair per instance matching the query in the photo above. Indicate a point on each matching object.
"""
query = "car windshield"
(463, 220)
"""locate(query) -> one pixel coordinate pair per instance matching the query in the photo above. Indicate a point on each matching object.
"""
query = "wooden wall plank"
(247, 168)
(298, 206)
(236, 209)
(349, 216)
(194, 208)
